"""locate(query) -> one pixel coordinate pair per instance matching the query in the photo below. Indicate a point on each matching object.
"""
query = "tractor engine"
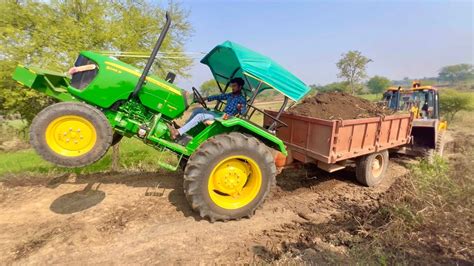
(112, 81)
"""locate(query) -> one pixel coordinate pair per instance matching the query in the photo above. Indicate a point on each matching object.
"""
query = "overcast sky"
(403, 38)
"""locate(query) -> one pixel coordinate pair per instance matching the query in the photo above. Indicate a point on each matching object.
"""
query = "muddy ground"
(144, 218)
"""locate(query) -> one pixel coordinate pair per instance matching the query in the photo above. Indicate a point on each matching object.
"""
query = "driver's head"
(236, 84)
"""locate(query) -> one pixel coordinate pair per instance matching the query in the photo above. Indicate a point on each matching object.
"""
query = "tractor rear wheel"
(71, 134)
(370, 169)
(229, 176)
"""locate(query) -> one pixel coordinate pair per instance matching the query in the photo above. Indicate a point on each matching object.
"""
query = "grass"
(371, 97)
(134, 155)
(424, 218)
(10, 129)
(463, 120)
(16, 124)
(430, 211)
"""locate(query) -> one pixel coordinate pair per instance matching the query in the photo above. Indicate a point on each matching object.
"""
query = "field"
(139, 215)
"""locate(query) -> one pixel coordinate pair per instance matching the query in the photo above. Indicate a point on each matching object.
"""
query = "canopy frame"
(230, 58)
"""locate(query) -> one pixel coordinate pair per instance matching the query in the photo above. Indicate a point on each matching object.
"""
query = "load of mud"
(338, 105)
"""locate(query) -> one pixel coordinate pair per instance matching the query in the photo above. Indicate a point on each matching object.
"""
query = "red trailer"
(331, 144)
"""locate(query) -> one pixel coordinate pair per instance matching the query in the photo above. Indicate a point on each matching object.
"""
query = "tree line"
(353, 71)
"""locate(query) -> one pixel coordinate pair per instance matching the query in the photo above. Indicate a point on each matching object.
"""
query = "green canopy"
(230, 60)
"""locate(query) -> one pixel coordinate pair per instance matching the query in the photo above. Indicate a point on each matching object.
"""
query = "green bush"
(451, 102)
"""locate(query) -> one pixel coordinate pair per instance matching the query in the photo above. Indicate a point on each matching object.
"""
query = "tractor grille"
(80, 80)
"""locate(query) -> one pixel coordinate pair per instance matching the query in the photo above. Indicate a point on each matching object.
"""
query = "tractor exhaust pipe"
(152, 57)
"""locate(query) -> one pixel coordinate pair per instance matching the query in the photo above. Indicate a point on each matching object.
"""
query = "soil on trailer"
(338, 105)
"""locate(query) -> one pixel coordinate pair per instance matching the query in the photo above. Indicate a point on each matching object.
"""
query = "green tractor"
(229, 165)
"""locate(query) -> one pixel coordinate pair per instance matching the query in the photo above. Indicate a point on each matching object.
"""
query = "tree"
(53, 40)
(352, 67)
(451, 102)
(378, 84)
(456, 73)
(209, 87)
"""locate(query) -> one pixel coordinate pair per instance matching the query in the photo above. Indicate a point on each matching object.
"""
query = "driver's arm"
(218, 97)
(242, 108)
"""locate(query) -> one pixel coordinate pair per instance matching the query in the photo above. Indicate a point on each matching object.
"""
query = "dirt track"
(144, 218)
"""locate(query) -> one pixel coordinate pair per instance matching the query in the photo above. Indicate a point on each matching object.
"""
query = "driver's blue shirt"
(232, 101)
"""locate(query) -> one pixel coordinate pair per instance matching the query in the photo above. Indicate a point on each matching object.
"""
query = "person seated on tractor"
(236, 104)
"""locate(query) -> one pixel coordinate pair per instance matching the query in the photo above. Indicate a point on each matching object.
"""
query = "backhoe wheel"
(71, 134)
(429, 154)
(229, 176)
(370, 169)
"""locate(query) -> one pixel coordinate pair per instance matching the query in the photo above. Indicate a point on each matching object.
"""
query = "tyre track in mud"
(145, 218)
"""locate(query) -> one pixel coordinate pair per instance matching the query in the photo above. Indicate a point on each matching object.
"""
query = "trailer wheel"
(229, 176)
(71, 134)
(370, 169)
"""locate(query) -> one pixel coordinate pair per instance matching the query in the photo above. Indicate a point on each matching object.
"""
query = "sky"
(403, 38)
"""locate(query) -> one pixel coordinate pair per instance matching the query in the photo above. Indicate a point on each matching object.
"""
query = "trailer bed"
(315, 140)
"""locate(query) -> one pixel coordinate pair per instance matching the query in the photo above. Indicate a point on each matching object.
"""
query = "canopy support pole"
(254, 95)
(282, 108)
(250, 85)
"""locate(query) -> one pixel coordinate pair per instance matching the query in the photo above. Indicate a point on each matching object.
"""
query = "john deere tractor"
(228, 165)
(428, 129)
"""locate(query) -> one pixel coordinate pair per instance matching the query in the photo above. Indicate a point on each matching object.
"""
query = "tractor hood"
(230, 60)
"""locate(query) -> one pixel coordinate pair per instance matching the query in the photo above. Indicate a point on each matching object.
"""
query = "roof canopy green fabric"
(230, 60)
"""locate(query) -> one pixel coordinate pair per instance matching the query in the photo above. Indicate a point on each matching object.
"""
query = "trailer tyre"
(229, 177)
(370, 169)
(71, 134)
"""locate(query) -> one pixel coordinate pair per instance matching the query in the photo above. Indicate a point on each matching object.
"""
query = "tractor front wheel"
(229, 176)
(71, 134)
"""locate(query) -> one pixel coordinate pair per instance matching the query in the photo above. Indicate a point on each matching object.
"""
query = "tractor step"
(166, 165)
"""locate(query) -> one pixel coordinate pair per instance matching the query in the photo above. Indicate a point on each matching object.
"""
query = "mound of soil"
(337, 105)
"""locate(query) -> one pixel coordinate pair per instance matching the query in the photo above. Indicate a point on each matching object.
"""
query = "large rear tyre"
(71, 134)
(370, 169)
(229, 176)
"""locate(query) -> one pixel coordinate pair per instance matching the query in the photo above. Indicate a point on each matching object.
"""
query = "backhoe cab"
(228, 165)
(428, 128)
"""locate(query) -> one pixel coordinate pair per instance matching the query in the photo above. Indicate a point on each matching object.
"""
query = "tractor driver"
(236, 104)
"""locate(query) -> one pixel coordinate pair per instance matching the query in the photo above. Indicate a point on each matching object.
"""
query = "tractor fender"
(249, 128)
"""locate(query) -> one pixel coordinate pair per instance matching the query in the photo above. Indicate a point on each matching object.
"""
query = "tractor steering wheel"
(197, 97)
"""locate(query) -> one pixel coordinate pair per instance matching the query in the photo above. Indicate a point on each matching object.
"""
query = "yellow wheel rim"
(235, 182)
(71, 135)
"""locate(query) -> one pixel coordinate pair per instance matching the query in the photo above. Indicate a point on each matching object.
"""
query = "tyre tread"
(42, 119)
(200, 160)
